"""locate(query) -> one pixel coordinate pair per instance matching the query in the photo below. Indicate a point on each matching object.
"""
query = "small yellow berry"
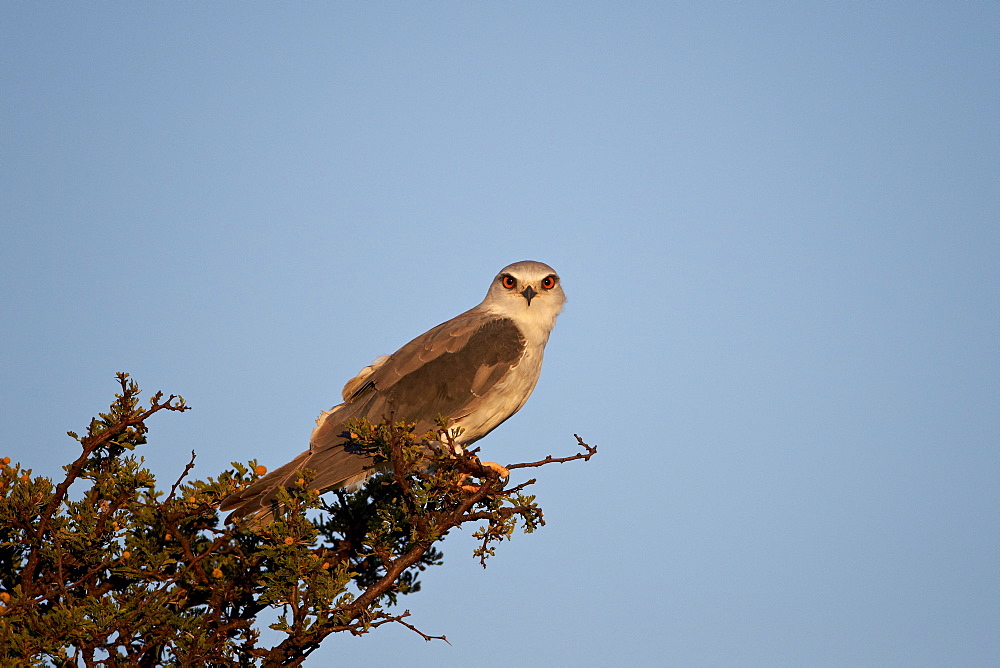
(126, 554)
(289, 540)
(260, 469)
(217, 573)
(168, 537)
(5, 460)
(4, 597)
(300, 481)
(326, 565)
(25, 478)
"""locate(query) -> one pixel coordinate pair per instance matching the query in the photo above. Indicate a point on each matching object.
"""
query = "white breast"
(503, 399)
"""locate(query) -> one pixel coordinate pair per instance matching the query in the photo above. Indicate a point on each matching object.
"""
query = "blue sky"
(778, 226)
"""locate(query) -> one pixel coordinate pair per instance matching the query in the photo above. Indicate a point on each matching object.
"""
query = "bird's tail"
(256, 499)
(334, 468)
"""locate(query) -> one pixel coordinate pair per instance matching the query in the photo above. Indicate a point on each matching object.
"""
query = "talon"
(468, 489)
(501, 470)
(493, 466)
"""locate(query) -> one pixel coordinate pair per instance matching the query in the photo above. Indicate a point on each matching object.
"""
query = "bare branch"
(386, 618)
(187, 469)
(585, 456)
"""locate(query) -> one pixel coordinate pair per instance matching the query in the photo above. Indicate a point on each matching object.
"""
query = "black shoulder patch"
(444, 385)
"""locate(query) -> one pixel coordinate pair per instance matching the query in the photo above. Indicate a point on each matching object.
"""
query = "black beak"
(529, 294)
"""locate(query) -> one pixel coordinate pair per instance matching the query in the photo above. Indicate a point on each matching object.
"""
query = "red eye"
(508, 281)
(549, 282)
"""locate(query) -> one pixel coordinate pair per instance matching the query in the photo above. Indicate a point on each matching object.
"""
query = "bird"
(476, 370)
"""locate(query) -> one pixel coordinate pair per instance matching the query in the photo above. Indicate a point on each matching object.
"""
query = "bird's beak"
(529, 294)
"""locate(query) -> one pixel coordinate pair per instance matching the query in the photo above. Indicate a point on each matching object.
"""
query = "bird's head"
(528, 292)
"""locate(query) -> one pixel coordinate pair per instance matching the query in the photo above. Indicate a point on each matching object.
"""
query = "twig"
(518, 488)
(187, 469)
(385, 617)
(585, 456)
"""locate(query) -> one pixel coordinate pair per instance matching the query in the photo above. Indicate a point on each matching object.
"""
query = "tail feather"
(334, 468)
(334, 465)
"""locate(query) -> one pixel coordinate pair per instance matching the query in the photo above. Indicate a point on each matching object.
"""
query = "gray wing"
(442, 372)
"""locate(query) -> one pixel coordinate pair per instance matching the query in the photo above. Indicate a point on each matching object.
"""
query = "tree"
(106, 569)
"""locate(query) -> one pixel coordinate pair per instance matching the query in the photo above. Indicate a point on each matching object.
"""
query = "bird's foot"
(501, 470)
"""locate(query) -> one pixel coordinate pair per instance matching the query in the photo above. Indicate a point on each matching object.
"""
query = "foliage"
(127, 574)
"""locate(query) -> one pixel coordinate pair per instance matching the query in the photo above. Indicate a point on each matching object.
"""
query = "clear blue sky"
(778, 225)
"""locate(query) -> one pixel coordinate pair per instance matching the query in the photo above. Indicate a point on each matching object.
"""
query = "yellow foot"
(468, 489)
(501, 471)
(493, 466)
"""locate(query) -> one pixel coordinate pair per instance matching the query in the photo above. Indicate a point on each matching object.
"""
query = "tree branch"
(585, 456)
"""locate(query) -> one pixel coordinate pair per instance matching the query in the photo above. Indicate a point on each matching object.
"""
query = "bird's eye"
(508, 281)
(549, 282)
